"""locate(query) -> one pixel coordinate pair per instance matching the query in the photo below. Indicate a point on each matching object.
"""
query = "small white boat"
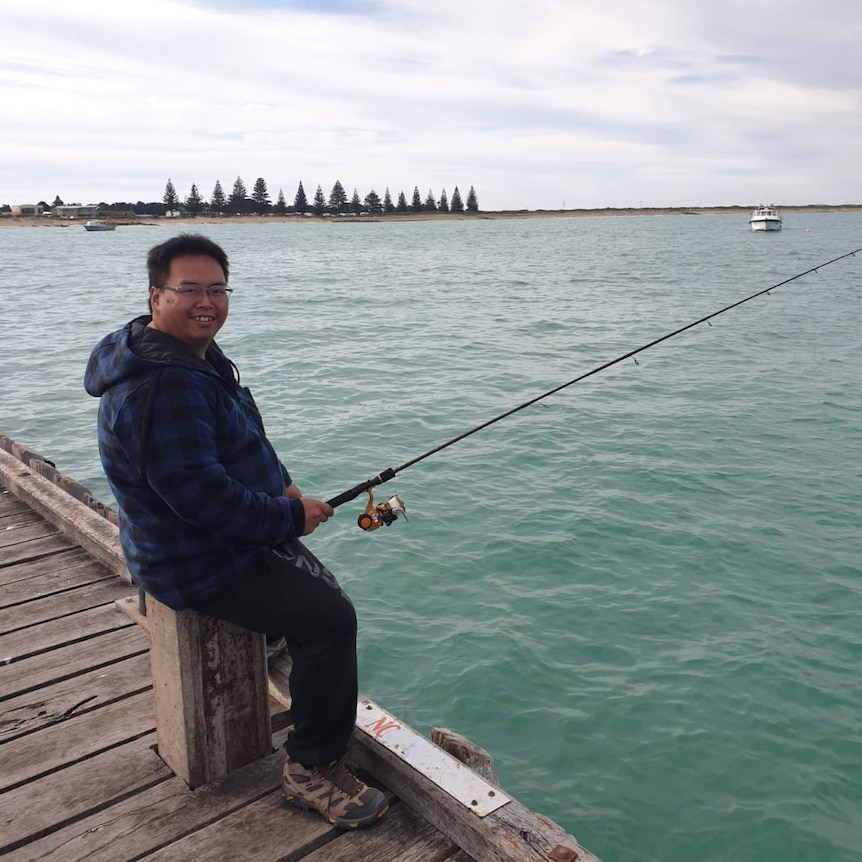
(765, 218)
(98, 225)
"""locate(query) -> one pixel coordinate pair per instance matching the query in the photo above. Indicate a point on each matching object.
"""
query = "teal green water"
(642, 595)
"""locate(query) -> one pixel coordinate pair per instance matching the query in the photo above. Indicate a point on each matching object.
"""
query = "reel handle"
(356, 490)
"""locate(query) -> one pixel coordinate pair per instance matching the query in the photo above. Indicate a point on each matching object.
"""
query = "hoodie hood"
(137, 349)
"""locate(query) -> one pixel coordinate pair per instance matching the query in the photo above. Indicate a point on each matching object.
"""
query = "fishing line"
(386, 513)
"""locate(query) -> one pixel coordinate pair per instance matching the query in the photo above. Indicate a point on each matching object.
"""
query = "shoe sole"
(296, 802)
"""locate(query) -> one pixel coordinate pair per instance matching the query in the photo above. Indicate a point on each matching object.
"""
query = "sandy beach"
(9, 220)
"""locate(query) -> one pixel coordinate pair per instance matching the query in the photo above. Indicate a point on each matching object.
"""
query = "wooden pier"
(81, 776)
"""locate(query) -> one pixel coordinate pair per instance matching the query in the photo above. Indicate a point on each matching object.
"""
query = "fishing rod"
(383, 514)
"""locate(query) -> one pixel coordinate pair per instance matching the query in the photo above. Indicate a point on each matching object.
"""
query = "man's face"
(194, 320)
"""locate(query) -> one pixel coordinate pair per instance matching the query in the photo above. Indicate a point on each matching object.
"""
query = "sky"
(537, 104)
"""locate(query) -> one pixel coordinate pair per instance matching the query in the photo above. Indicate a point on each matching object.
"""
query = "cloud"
(533, 103)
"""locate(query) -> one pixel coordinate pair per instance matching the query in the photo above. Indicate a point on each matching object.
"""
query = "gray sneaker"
(335, 792)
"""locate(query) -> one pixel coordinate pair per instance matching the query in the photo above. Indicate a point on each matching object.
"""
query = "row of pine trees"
(240, 201)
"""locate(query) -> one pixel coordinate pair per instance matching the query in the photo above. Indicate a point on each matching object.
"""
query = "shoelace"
(341, 777)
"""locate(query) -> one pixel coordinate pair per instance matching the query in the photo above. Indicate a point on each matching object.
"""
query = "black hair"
(185, 245)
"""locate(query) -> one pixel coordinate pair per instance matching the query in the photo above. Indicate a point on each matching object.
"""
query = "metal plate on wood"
(449, 774)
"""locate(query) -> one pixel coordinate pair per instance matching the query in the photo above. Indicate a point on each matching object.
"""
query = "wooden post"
(210, 693)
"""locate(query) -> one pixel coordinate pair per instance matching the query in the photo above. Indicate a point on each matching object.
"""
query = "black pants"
(291, 593)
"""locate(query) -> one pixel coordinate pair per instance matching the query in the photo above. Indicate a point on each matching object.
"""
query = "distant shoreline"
(9, 220)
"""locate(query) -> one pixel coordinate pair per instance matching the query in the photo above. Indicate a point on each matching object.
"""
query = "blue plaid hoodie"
(200, 490)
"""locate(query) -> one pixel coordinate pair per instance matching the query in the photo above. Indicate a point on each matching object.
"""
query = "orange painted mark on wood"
(379, 727)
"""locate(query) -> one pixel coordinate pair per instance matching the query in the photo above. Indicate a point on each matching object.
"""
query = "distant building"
(26, 209)
(75, 211)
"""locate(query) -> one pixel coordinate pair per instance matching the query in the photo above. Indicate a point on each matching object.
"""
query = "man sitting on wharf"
(209, 516)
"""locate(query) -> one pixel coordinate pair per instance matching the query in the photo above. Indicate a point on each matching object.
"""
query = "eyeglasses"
(215, 291)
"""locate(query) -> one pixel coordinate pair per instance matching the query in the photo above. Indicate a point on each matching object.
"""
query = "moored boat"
(765, 218)
(98, 225)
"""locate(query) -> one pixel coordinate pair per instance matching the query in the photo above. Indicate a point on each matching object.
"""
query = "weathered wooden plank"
(40, 807)
(33, 579)
(132, 827)
(402, 835)
(9, 512)
(81, 524)
(268, 831)
(67, 662)
(53, 704)
(513, 833)
(264, 830)
(279, 680)
(280, 718)
(53, 748)
(466, 751)
(54, 607)
(25, 518)
(470, 755)
(25, 528)
(22, 644)
(35, 550)
(464, 856)
(23, 453)
(10, 504)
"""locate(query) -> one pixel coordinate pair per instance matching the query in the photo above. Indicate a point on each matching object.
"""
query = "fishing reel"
(381, 515)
